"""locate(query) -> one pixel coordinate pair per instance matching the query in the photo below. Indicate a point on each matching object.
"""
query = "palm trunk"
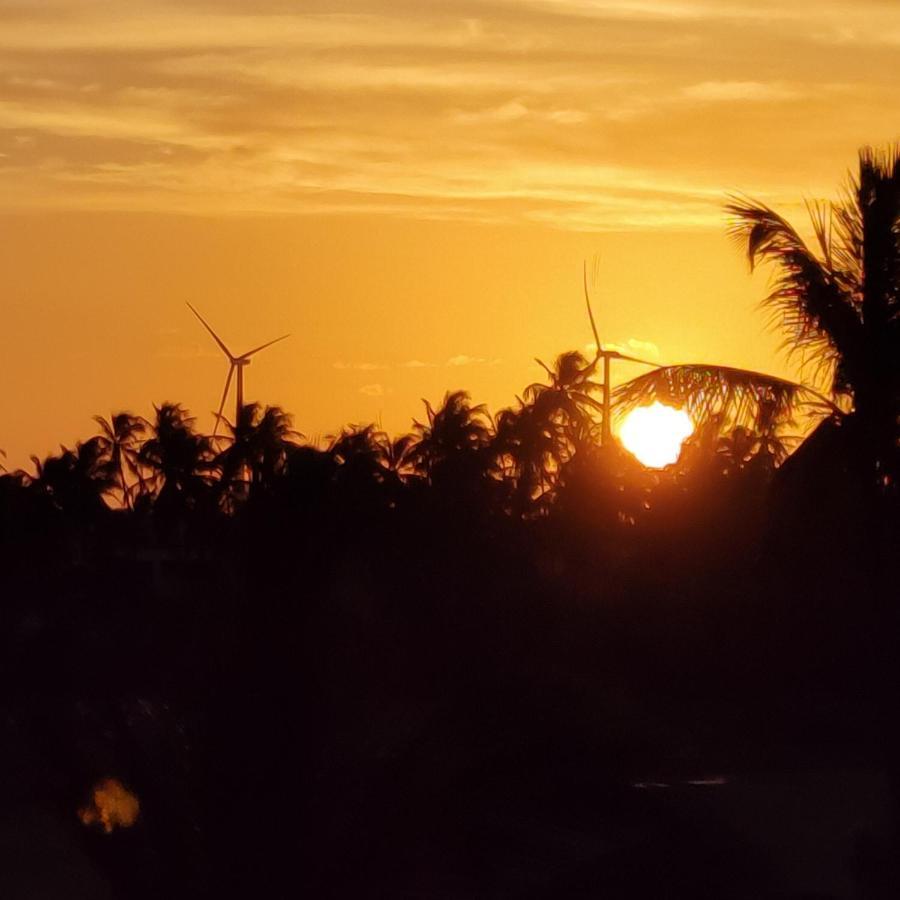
(875, 412)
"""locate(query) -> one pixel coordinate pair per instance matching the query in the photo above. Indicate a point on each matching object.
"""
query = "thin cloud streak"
(359, 367)
(578, 114)
(736, 91)
(464, 360)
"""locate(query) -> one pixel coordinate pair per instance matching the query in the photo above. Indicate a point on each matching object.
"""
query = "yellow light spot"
(654, 434)
(112, 806)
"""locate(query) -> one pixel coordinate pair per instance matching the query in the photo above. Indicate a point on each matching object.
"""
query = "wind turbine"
(237, 362)
(606, 356)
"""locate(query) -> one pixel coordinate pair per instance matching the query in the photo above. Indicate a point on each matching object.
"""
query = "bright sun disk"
(654, 434)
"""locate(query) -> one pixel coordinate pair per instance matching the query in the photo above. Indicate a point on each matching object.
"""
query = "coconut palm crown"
(838, 303)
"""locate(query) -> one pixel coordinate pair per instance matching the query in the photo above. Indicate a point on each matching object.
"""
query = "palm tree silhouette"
(371, 468)
(566, 400)
(528, 450)
(75, 480)
(119, 439)
(395, 453)
(840, 309)
(178, 458)
(453, 444)
(534, 440)
(256, 454)
(361, 447)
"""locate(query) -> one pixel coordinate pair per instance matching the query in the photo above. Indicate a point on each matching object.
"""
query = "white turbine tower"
(237, 362)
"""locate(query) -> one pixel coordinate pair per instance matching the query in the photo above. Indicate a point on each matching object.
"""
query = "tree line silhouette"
(359, 669)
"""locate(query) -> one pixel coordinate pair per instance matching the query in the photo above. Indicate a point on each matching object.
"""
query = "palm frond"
(811, 298)
(545, 367)
(822, 218)
(877, 194)
(733, 397)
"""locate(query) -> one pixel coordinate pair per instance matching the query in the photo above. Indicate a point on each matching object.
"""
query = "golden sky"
(407, 187)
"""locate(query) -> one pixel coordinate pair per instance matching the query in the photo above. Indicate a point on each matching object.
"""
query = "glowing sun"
(654, 434)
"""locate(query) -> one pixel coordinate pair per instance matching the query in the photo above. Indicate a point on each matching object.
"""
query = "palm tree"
(179, 459)
(260, 441)
(454, 441)
(453, 461)
(361, 447)
(839, 304)
(119, 439)
(395, 454)
(534, 440)
(567, 400)
(75, 480)
(398, 470)
(840, 308)
(306, 481)
(370, 466)
(528, 451)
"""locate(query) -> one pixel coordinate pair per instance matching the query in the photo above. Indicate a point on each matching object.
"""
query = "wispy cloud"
(515, 110)
(463, 360)
(736, 91)
(581, 114)
(359, 366)
(372, 390)
(646, 347)
(631, 347)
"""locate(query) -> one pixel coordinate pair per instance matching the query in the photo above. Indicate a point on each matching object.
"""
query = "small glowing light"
(112, 806)
(654, 434)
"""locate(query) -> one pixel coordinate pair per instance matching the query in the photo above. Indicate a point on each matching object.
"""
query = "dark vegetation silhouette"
(438, 665)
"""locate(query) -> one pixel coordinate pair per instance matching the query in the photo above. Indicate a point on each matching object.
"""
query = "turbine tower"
(237, 362)
(606, 356)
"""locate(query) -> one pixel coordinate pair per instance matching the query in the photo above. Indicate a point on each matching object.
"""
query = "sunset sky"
(409, 188)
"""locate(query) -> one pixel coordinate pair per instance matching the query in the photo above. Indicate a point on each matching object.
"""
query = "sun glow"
(654, 434)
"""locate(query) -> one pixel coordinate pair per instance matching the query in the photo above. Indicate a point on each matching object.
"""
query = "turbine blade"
(590, 311)
(216, 338)
(614, 354)
(224, 398)
(250, 353)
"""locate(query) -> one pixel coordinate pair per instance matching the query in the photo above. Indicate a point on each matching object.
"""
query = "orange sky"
(407, 187)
